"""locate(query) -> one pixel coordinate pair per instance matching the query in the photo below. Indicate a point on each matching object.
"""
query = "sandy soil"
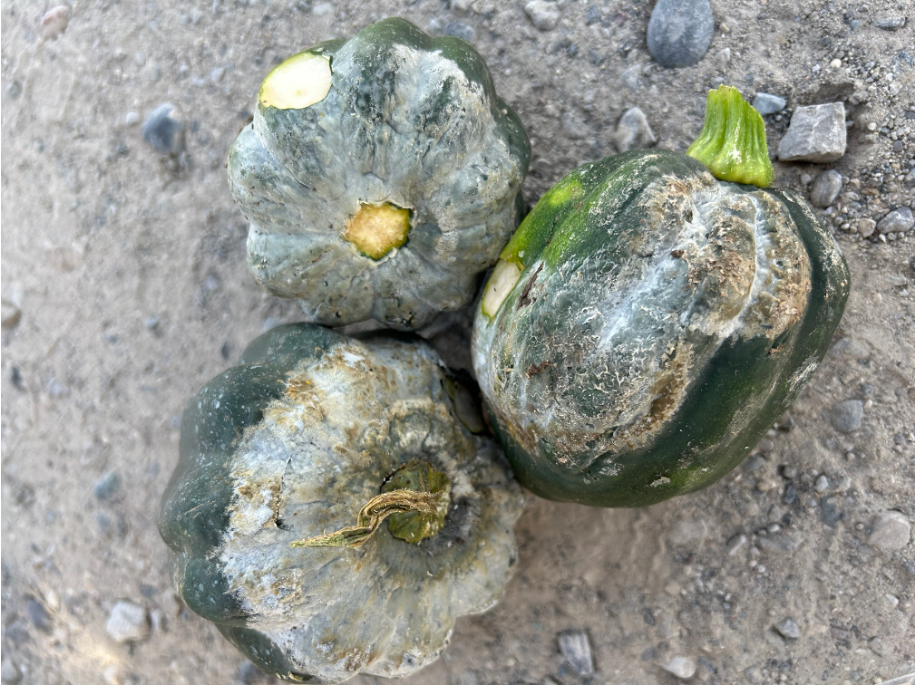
(125, 289)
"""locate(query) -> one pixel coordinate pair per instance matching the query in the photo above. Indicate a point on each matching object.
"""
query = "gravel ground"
(124, 289)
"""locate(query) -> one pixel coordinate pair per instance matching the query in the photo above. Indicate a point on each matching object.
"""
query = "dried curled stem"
(372, 515)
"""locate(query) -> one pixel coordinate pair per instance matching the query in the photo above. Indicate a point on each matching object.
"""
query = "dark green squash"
(648, 323)
(282, 451)
(380, 175)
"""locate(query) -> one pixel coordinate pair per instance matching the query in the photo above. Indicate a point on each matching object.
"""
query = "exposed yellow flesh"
(299, 82)
(502, 280)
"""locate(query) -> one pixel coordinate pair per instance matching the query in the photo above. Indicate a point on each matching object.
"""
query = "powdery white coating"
(709, 262)
(417, 133)
(320, 453)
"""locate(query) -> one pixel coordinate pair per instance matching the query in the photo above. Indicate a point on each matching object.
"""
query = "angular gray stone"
(577, 650)
(54, 22)
(107, 486)
(816, 134)
(681, 667)
(846, 415)
(897, 221)
(633, 131)
(768, 104)
(787, 628)
(866, 227)
(164, 131)
(544, 15)
(891, 23)
(826, 187)
(680, 32)
(128, 622)
(890, 530)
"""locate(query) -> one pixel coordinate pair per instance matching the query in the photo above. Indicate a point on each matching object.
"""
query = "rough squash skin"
(289, 445)
(410, 121)
(662, 321)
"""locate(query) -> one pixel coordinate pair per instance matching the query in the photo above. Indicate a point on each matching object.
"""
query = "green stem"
(733, 142)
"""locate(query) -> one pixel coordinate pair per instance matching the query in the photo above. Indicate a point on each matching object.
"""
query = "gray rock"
(630, 76)
(633, 131)
(897, 221)
(164, 131)
(866, 227)
(128, 622)
(9, 671)
(822, 484)
(460, 30)
(680, 32)
(890, 530)
(38, 615)
(890, 23)
(768, 104)
(54, 22)
(107, 486)
(787, 628)
(781, 543)
(131, 118)
(577, 650)
(686, 531)
(544, 15)
(735, 543)
(681, 667)
(816, 134)
(826, 187)
(847, 415)
(217, 74)
(9, 315)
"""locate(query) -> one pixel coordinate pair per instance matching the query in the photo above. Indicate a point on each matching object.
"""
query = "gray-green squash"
(380, 176)
(648, 323)
(290, 445)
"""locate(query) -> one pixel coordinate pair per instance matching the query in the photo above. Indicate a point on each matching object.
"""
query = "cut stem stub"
(733, 142)
(415, 497)
(376, 230)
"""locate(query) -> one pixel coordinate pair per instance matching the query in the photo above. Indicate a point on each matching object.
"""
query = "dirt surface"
(125, 289)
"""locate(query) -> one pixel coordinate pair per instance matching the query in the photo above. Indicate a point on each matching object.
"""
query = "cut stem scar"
(419, 512)
(503, 279)
(733, 142)
(297, 83)
(376, 230)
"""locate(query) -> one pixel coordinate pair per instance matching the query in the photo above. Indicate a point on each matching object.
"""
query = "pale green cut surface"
(299, 82)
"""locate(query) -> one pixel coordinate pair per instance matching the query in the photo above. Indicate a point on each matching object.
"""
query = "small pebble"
(107, 486)
(217, 74)
(633, 131)
(681, 667)
(460, 30)
(128, 622)
(38, 615)
(577, 649)
(54, 22)
(686, 531)
(768, 104)
(680, 32)
(847, 415)
(9, 315)
(735, 543)
(866, 227)
(816, 134)
(164, 131)
(822, 484)
(897, 221)
(9, 671)
(323, 8)
(890, 530)
(544, 15)
(826, 188)
(787, 628)
(56, 388)
(890, 23)
(131, 118)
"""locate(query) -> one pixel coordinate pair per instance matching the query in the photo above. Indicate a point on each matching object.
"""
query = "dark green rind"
(194, 512)
(264, 653)
(746, 386)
